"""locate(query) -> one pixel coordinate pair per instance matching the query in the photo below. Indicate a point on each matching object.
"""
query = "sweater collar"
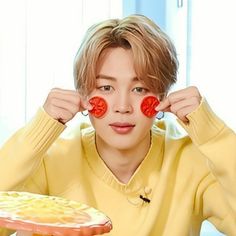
(141, 178)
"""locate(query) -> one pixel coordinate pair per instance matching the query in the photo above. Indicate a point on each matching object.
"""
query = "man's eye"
(140, 90)
(106, 88)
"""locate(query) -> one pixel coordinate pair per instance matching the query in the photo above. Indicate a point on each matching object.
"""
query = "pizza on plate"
(49, 215)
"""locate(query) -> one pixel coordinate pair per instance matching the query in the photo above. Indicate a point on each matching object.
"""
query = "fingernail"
(158, 108)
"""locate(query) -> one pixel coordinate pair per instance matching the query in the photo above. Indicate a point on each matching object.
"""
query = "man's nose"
(122, 104)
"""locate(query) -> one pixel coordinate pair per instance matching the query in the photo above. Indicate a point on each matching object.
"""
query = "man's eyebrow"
(101, 76)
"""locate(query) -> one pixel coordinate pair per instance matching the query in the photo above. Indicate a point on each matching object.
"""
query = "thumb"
(85, 104)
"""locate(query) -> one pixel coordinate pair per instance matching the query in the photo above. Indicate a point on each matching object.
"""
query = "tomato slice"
(148, 106)
(99, 106)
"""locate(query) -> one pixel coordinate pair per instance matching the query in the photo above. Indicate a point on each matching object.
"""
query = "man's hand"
(181, 102)
(63, 105)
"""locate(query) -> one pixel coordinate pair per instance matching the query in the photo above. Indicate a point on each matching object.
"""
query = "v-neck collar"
(151, 162)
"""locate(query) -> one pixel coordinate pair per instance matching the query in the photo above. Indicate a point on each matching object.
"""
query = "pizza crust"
(45, 214)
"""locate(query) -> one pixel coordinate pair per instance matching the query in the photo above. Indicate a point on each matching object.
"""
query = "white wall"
(213, 55)
(38, 42)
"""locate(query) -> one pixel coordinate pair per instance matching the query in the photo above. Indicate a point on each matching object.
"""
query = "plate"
(47, 215)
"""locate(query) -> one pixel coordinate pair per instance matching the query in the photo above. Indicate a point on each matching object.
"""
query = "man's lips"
(122, 128)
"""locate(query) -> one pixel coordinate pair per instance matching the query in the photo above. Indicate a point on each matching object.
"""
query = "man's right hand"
(63, 105)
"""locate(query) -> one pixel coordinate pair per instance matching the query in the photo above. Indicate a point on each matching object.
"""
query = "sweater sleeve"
(217, 142)
(23, 153)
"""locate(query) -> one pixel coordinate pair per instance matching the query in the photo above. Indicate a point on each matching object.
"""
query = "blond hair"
(155, 59)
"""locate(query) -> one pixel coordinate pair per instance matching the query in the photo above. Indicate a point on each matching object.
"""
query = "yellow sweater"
(186, 180)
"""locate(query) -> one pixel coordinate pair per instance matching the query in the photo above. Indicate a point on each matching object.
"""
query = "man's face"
(123, 126)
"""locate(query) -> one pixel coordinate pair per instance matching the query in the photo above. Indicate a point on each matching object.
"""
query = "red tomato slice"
(99, 106)
(148, 106)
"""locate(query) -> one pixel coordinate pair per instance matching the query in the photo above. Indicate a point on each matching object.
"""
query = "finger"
(64, 91)
(180, 95)
(67, 95)
(60, 114)
(65, 116)
(183, 94)
(192, 102)
(164, 105)
(183, 113)
(169, 100)
(74, 97)
(60, 110)
(66, 105)
(85, 105)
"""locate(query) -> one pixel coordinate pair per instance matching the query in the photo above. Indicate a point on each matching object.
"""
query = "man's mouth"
(122, 128)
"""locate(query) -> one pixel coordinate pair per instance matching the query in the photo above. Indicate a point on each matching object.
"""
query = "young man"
(143, 173)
